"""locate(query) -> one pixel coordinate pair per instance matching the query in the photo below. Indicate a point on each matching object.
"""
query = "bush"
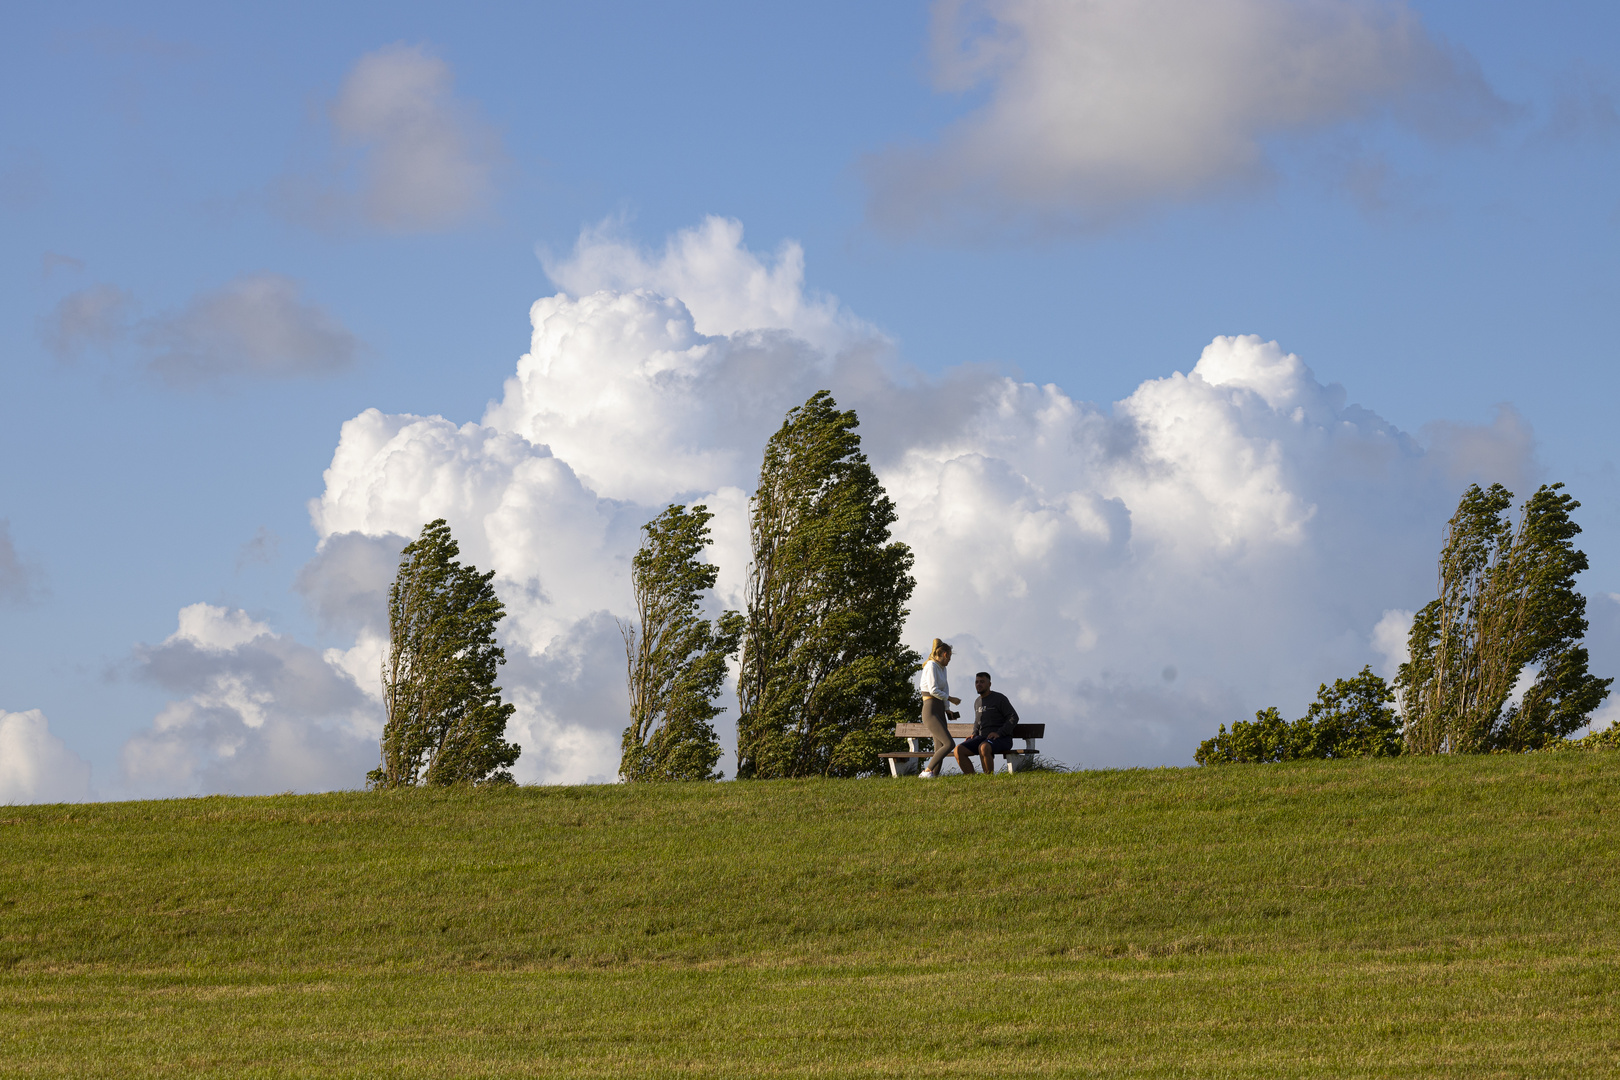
(1607, 739)
(1350, 719)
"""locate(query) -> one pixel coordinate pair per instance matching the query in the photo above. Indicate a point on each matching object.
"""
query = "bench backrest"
(962, 731)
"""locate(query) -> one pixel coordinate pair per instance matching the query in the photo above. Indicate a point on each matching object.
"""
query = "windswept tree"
(676, 658)
(824, 674)
(1507, 609)
(446, 722)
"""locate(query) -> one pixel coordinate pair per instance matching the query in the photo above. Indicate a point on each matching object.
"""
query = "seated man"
(993, 720)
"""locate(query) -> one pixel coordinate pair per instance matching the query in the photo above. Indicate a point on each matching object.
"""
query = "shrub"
(1350, 719)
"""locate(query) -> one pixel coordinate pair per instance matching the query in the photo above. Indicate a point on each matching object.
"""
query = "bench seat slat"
(930, 753)
(963, 731)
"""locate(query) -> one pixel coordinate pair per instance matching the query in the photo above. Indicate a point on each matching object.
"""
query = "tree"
(1350, 719)
(446, 722)
(824, 674)
(1353, 718)
(676, 659)
(1507, 608)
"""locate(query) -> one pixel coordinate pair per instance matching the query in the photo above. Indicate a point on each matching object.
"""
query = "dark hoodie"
(992, 712)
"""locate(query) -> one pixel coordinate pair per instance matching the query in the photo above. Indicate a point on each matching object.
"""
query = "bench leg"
(1018, 762)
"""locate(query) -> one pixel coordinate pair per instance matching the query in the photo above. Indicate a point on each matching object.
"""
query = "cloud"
(97, 317)
(423, 159)
(21, 581)
(1241, 522)
(35, 765)
(1100, 110)
(726, 287)
(256, 713)
(1389, 640)
(1224, 538)
(257, 325)
(345, 586)
(1503, 450)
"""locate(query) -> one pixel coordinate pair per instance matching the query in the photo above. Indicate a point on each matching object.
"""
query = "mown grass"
(1440, 917)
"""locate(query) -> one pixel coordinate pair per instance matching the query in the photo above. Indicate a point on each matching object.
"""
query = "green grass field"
(1427, 917)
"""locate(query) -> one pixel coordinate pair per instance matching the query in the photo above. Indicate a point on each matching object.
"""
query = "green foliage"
(1350, 719)
(1266, 738)
(1507, 605)
(1607, 739)
(824, 674)
(676, 659)
(446, 721)
(1353, 718)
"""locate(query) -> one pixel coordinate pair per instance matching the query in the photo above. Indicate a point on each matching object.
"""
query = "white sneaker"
(925, 775)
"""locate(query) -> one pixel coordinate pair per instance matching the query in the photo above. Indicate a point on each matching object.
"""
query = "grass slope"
(1444, 917)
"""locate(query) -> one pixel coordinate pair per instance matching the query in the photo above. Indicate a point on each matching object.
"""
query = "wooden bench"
(906, 762)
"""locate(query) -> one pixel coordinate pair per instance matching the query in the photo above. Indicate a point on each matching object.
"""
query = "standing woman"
(937, 700)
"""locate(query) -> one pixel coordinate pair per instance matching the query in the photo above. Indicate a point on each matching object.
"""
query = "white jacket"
(933, 681)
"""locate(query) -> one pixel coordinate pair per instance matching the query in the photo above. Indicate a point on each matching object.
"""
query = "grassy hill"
(1442, 917)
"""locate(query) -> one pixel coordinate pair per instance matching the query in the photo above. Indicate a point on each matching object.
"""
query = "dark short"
(999, 746)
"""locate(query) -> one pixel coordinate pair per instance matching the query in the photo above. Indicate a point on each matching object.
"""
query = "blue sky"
(160, 150)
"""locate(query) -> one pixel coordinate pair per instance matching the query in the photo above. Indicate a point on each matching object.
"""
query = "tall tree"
(676, 658)
(446, 722)
(1507, 607)
(824, 674)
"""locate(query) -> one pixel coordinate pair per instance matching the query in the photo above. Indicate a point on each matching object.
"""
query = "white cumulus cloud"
(1099, 108)
(1389, 640)
(726, 287)
(1225, 538)
(35, 765)
(255, 713)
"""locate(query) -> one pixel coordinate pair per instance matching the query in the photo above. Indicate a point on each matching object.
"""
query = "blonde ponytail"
(937, 648)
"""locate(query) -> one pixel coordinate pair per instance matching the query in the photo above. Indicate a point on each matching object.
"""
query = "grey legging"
(933, 718)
